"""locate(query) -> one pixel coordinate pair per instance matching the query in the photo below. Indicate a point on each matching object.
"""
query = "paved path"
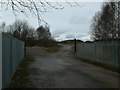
(62, 70)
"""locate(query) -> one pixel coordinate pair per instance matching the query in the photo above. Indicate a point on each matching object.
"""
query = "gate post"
(0, 60)
(75, 44)
(24, 49)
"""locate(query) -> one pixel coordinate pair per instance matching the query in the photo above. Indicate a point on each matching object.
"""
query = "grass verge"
(105, 66)
(20, 78)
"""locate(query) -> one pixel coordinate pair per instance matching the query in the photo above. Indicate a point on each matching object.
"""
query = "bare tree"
(2, 26)
(43, 33)
(35, 7)
(24, 32)
(96, 29)
(118, 18)
(104, 22)
(20, 29)
(31, 34)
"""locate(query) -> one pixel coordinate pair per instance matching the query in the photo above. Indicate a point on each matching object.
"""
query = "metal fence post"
(95, 51)
(0, 60)
(24, 49)
(75, 44)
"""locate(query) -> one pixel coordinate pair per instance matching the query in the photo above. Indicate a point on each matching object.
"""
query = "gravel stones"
(36, 51)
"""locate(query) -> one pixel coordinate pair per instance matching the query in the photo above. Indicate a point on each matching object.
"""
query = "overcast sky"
(68, 23)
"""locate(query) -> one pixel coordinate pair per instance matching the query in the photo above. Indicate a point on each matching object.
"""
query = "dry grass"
(52, 49)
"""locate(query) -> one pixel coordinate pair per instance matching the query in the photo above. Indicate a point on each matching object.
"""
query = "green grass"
(20, 78)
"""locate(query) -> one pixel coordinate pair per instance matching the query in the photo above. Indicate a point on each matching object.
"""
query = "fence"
(106, 52)
(12, 54)
(0, 60)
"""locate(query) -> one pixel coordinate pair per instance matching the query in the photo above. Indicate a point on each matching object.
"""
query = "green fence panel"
(107, 52)
(12, 54)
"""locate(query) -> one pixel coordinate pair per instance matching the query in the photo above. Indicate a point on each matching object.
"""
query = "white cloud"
(86, 38)
(71, 36)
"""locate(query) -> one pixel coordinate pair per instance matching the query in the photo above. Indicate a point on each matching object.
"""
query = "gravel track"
(61, 70)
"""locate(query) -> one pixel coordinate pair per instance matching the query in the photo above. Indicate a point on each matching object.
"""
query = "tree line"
(106, 23)
(23, 31)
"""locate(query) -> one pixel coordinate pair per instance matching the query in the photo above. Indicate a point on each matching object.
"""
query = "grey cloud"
(76, 20)
(57, 33)
(60, 31)
(70, 36)
(56, 36)
(79, 35)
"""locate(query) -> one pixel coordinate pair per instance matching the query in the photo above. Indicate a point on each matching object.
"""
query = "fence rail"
(106, 52)
(12, 54)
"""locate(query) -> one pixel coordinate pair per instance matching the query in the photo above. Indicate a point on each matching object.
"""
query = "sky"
(65, 24)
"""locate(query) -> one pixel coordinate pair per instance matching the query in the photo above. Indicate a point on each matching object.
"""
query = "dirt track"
(62, 70)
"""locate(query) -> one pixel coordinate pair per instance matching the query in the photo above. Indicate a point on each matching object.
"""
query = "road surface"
(61, 70)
